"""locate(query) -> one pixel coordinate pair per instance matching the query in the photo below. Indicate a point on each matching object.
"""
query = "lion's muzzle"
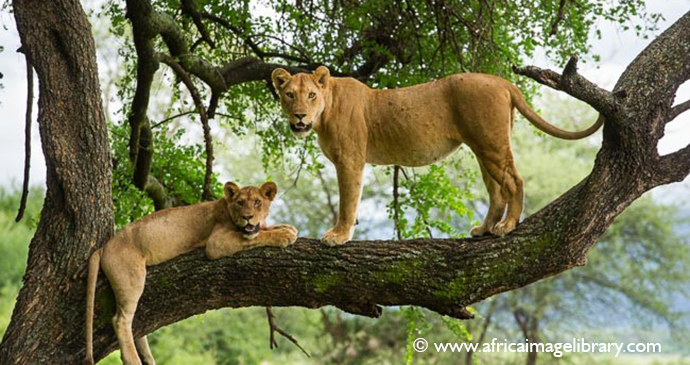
(250, 229)
(300, 127)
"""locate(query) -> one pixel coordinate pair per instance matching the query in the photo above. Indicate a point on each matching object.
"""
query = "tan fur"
(224, 227)
(413, 126)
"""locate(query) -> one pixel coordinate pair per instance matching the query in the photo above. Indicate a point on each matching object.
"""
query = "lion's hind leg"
(505, 173)
(126, 272)
(497, 204)
(516, 201)
(142, 345)
(497, 159)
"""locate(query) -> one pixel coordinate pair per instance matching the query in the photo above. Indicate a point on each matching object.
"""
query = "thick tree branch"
(674, 167)
(148, 23)
(573, 84)
(662, 67)
(248, 69)
(678, 110)
(443, 275)
(144, 156)
(651, 82)
(141, 137)
(159, 195)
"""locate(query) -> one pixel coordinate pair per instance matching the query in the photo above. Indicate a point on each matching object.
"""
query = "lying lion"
(413, 126)
(234, 223)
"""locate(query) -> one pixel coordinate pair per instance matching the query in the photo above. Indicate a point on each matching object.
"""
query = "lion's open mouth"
(251, 229)
(300, 127)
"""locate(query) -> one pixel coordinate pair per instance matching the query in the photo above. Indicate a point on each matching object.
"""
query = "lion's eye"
(312, 95)
(240, 202)
(290, 94)
(257, 203)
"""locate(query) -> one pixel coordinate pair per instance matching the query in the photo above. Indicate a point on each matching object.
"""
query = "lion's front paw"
(286, 226)
(285, 237)
(336, 236)
(478, 231)
(503, 228)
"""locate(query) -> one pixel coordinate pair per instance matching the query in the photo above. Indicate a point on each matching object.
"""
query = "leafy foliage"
(433, 198)
(178, 167)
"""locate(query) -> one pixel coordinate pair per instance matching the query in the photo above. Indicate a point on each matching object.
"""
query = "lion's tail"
(94, 266)
(519, 102)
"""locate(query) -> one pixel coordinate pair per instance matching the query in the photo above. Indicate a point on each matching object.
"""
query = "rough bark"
(443, 275)
(77, 214)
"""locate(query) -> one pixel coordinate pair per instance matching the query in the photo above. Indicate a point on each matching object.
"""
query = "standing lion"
(413, 126)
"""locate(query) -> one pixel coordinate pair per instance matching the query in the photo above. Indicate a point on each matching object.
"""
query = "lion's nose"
(247, 217)
(300, 116)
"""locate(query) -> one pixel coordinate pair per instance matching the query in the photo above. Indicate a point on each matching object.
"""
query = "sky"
(617, 50)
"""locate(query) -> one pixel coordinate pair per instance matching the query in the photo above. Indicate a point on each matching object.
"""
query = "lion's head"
(302, 97)
(249, 206)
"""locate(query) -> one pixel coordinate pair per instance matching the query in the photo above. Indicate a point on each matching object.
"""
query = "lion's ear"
(269, 190)
(230, 190)
(280, 77)
(321, 76)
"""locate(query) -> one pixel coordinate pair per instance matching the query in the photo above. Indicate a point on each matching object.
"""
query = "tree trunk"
(48, 319)
(442, 275)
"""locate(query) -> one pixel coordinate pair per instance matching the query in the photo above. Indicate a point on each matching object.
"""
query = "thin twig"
(27, 136)
(187, 113)
(208, 141)
(274, 328)
(426, 223)
(299, 169)
(559, 18)
(396, 206)
(299, 50)
(172, 117)
(249, 42)
(189, 7)
(329, 197)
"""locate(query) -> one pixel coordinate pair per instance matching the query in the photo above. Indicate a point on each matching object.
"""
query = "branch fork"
(573, 84)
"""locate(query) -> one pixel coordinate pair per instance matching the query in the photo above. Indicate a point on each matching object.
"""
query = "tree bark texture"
(444, 275)
(47, 322)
